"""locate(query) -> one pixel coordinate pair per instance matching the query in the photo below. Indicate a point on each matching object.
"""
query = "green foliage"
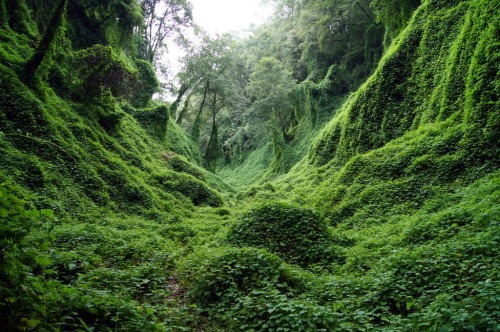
(250, 170)
(239, 270)
(105, 22)
(213, 151)
(339, 32)
(284, 155)
(251, 290)
(406, 175)
(482, 90)
(19, 108)
(154, 120)
(16, 16)
(148, 84)
(197, 191)
(14, 49)
(180, 164)
(408, 92)
(36, 68)
(110, 121)
(78, 153)
(100, 68)
(400, 174)
(177, 142)
(20, 303)
(270, 85)
(107, 273)
(394, 15)
(209, 73)
(298, 235)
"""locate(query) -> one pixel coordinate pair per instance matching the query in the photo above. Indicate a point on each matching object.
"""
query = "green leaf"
(33, 322)
(43, 261)
(47, 212)
(4, 213)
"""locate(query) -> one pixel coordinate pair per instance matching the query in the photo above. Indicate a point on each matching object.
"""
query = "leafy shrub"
(447, 284)
(148, 84)
(180, 164)
(89, 309)
(298, 235)
(178, 232)
(198, 192)
(251, 290)
(276, 312)
(101, 68)
(240, 270)
(19, 302)
(154, 120)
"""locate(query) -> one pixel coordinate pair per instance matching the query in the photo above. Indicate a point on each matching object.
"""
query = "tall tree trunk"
(43, 49)
(175, 104)
(213, 150)
(195, 131)
(183, 110)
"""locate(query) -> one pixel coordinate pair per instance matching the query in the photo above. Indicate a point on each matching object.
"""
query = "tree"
(280, 38)
(43, 49)
(270, 86)
(162, 19)
(394, 14)
(338, 32)
(209, 74)
(315, 34)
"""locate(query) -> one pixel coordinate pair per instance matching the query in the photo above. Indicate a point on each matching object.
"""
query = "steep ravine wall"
(444, 65)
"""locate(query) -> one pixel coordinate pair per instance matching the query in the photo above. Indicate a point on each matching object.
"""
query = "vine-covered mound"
(298, 235)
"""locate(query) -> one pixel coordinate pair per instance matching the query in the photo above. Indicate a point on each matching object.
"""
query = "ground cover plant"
(347, 206)
(298, 235)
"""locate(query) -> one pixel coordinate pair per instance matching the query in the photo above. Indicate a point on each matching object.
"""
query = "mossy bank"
(379, 211)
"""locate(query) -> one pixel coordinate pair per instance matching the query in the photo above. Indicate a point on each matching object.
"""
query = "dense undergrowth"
(94, 189)
(389, 223)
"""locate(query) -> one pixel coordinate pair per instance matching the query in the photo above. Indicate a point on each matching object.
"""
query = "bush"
(240, 271)
(198, 192)
(101, 68)
(298, 235)
(251, 290)
(180, 164)
(19, 301)
(154, 120)
(148, 84)
(276, 312)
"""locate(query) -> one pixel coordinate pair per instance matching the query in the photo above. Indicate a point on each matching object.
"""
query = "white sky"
(220, 16)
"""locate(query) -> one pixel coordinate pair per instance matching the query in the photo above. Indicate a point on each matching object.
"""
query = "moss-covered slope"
(402, 189)
(408, 170)
(443, 66)
(92, 191)
(93, 154)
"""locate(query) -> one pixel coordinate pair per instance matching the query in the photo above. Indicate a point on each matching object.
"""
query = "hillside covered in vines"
(334, 169)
